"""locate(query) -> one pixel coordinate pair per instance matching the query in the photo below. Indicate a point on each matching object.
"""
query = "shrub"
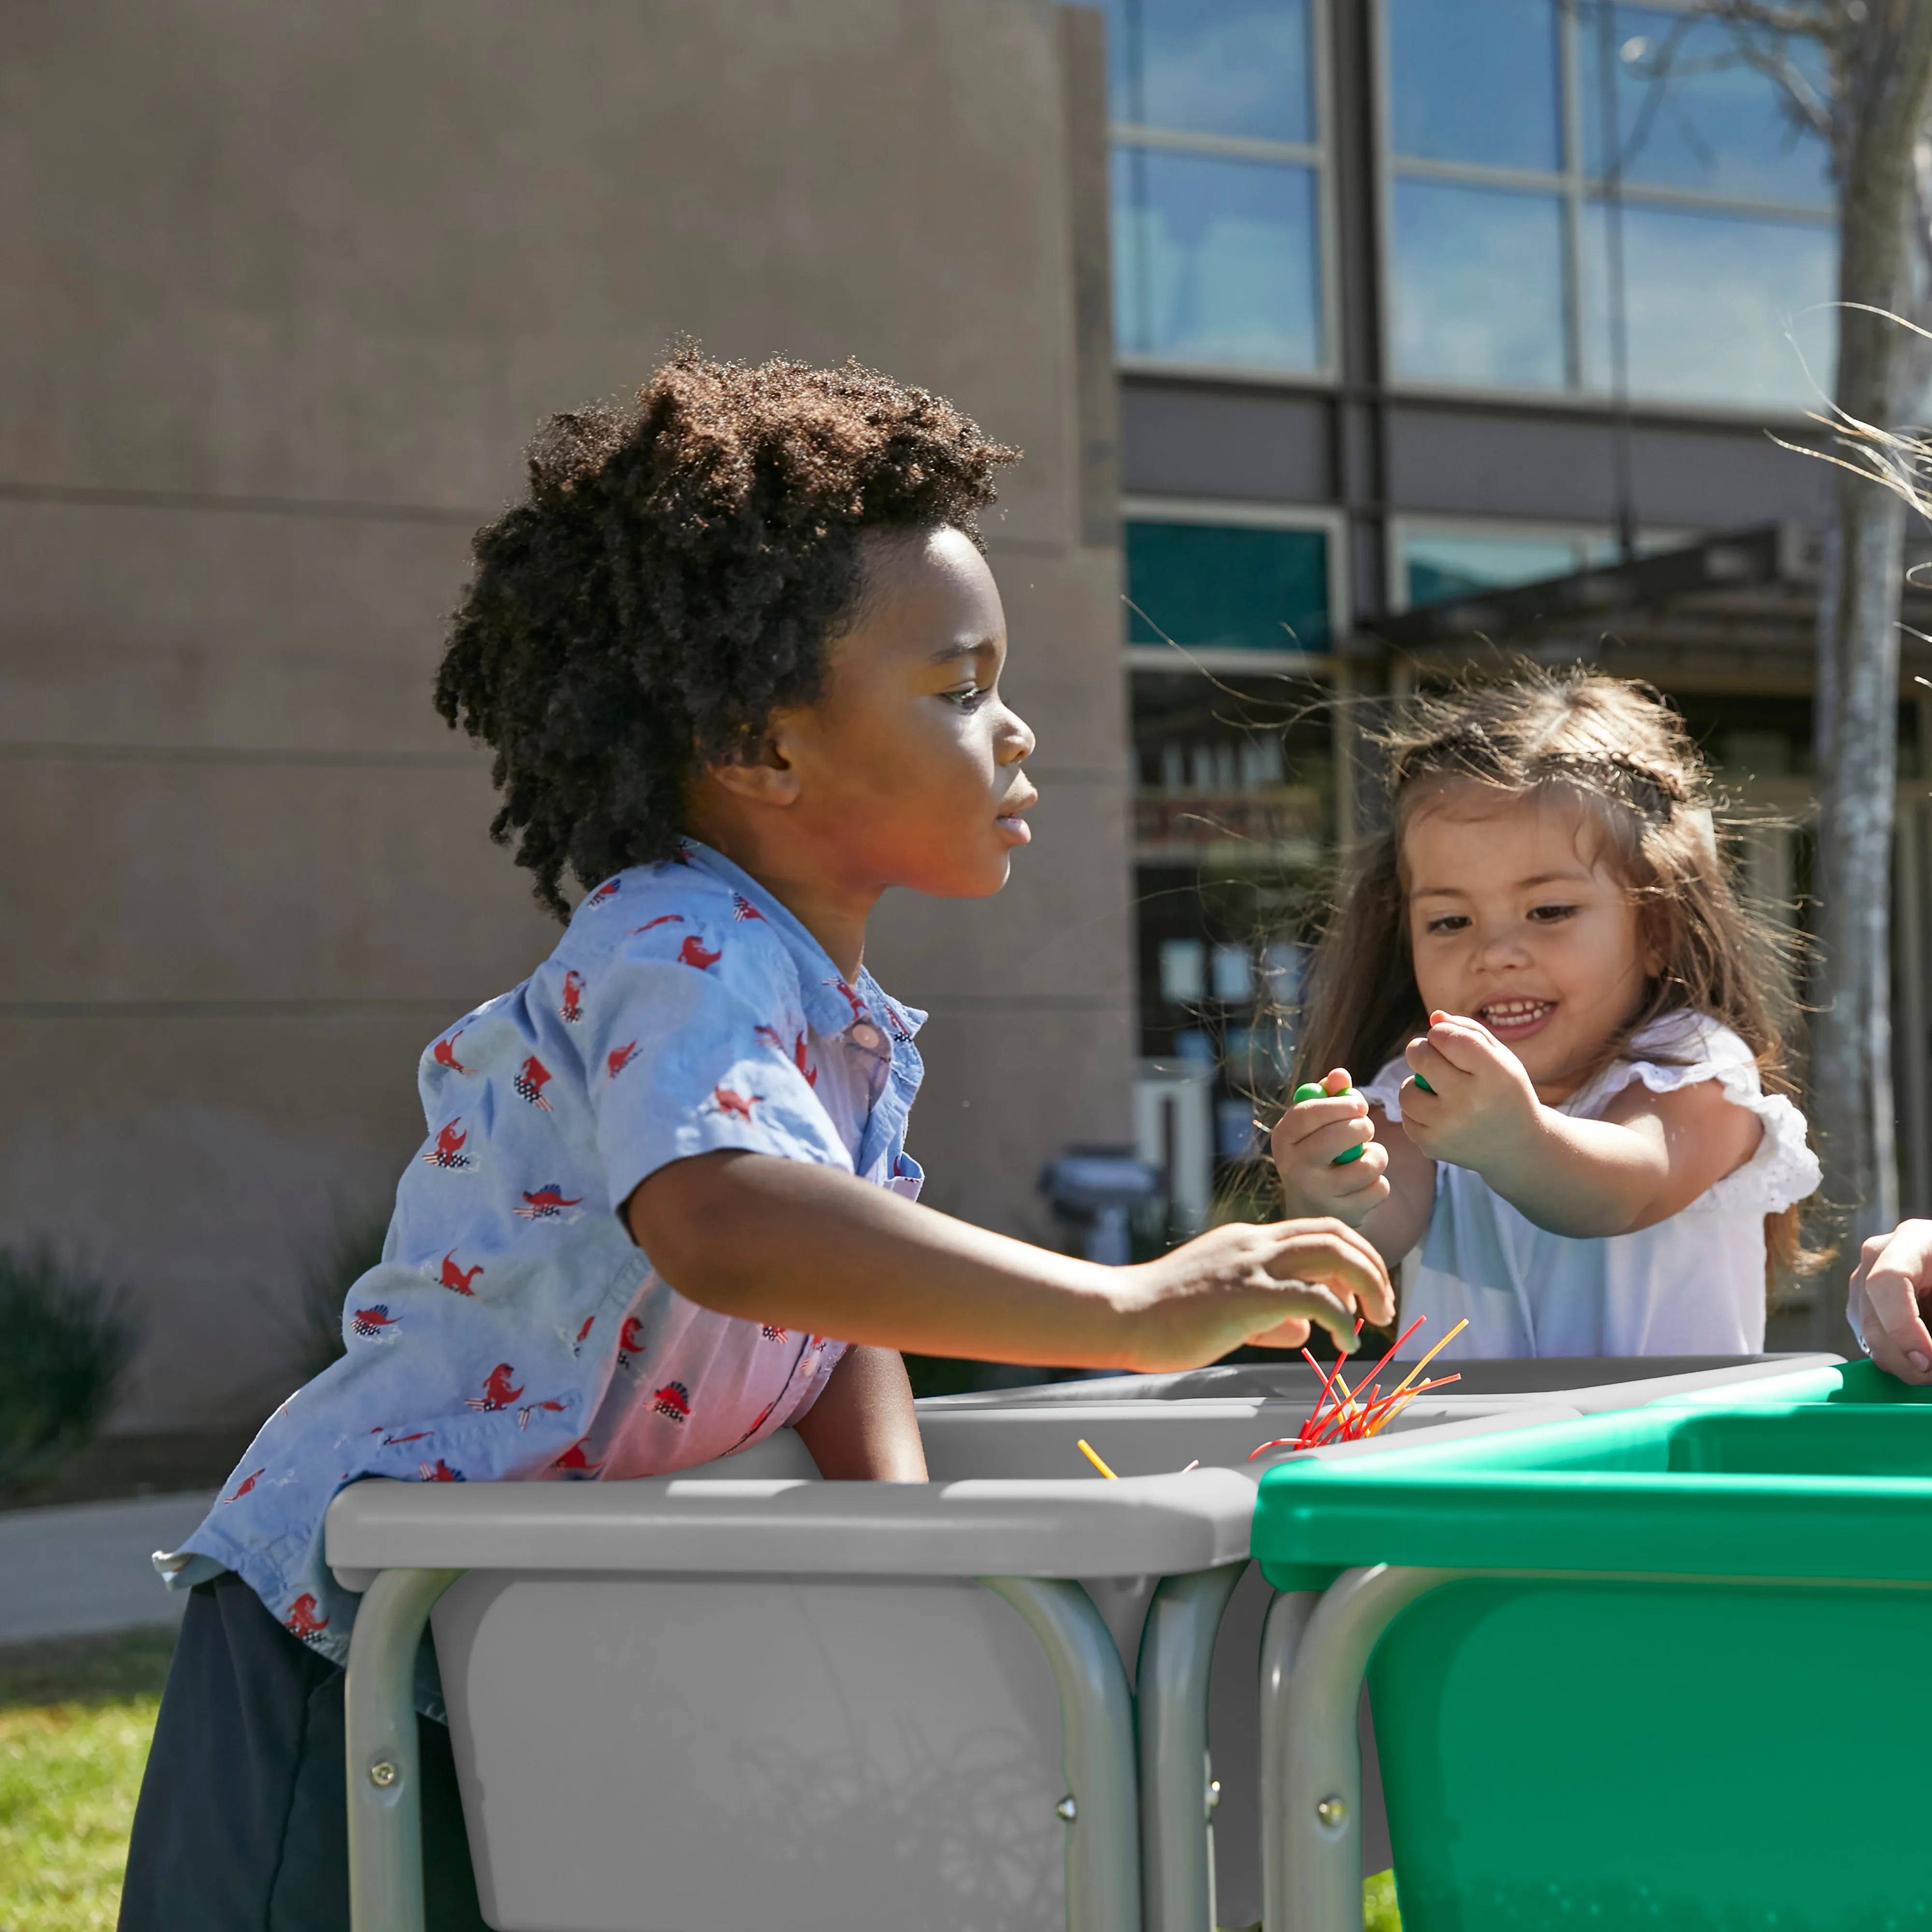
(69, 1338)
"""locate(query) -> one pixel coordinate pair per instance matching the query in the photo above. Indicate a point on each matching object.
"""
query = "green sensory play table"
(1653, 1669)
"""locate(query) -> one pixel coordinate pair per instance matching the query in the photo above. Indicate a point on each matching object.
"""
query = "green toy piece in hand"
(1313, 1089)
(1424, 1084)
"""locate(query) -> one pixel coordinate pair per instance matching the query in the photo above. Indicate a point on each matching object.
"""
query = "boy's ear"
(764, 775)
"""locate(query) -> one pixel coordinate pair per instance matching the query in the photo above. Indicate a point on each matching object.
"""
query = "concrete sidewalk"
(65, 1572)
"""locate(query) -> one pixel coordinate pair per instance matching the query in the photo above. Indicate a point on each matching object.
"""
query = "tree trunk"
(1885, 85)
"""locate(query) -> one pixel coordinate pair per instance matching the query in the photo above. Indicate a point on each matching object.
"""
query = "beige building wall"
(283, 292)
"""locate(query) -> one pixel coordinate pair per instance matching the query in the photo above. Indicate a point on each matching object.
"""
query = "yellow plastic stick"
(1429, 1357)
(1086, 1449)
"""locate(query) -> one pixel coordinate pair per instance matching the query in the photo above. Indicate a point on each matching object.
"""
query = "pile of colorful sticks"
(1343, 1414)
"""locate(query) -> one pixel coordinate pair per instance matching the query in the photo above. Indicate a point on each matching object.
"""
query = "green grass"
(76, 1717)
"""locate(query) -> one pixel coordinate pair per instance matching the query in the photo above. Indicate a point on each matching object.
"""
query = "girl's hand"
(1306, 1142)
(1893, 1270)
(1243, 1283)
(1477, 1105)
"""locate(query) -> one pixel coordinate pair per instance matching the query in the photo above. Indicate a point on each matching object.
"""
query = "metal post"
(1177, 1660)
(1097, 1734)
(385, 1892)
(1315, 1650)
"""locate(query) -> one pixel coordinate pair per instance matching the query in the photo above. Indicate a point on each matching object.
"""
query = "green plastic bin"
(1655, 1668)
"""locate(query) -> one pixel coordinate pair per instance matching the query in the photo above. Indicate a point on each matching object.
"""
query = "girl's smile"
(1516, 919)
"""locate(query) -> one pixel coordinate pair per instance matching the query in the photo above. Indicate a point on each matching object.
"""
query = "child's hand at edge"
(1479, 1108)
(1263, 1284)
(1308, 1137)
(1894, 1269)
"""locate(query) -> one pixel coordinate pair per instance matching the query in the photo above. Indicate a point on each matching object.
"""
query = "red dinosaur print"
(497, 1392)
(447, 1151)
(673, 1402)
(459, 1278)
(739, 1105)
(764, 1416)
(421, 1435)
(630, 1341)
(571, 1009)
(440, 1472)
(797, 1055)
(372, 1324)
(444, 1053)
(529, 1409)
(742, 908)
(547, 1204)
(247, 1483)
(692, 953)
(770, 1333)
(618, 1058)
(301, 1620)
(851, 999)
(662, 919)
(574, 1460)
(589, 1322)
(605, 893)
(529, 1081)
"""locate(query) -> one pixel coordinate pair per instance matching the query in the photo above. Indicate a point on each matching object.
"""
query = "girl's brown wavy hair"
(1622, 754)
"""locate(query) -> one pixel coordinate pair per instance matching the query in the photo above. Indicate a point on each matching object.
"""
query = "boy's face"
(908, 768)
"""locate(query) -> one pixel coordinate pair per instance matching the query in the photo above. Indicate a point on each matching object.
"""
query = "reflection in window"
(1215, 260)
(1479, 286)
(1235, 68)
(1692, 112)
(1476, 80)
(1209, 586)
(1727, 230)
(1438, 566)
(1716, 306)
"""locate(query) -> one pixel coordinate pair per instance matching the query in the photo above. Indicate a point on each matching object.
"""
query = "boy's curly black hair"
(675, 576)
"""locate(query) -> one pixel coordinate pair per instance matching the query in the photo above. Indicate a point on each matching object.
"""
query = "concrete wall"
(282, 291)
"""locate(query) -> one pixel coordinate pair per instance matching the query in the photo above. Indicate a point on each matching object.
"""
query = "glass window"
(1479, 279)
(1212, 67)
(1476, 80)
(1438, 566)
(1213, 587)
(1215, 260)
(1716, 306)
(1693, 112)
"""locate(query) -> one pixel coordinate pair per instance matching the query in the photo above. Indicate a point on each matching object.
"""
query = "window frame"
(1316, 156)
(1570, 185)
(1226, 513)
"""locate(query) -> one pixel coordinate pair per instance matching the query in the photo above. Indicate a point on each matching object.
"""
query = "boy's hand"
(1306, 1142)
(1477, 1108)
(1894, 1271)
(1244, 1283)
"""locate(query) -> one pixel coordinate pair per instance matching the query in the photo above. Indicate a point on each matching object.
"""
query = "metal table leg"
(385, 1892)
(1096, 1729)
(1177, 1660)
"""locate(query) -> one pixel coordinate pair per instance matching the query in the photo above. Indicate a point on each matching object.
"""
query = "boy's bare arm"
(861, 1428)
(767, 1240)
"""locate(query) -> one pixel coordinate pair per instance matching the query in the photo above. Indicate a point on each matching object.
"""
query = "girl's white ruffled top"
(1693, 1285)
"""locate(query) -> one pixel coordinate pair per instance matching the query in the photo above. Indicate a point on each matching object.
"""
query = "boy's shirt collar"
(832, 1005)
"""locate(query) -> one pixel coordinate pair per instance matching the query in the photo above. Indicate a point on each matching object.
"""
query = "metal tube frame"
(385, 1891)
(1171, 1680)
(1096, 1749)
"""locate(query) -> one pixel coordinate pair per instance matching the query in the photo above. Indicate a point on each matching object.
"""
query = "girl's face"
(1515, 920)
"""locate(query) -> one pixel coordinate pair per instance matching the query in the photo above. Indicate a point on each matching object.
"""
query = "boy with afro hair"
(738, 654)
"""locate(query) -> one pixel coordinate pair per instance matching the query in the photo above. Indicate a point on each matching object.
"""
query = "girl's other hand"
(1306, 1142)
(1477, 1106)
(1893, 1270)
(1242, 1283)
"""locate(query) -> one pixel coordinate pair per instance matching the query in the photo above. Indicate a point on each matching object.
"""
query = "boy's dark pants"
(243, 1825)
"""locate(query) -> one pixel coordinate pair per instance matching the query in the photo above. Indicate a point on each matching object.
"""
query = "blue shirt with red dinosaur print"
(512, 1331)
